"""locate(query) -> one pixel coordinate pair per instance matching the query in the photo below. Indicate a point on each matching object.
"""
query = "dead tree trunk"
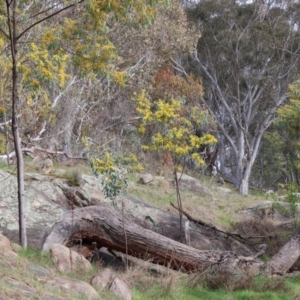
(104, 226)
(287, 256)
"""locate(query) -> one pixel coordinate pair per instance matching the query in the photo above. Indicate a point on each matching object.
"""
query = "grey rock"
(47, 198)
(278, 212)
(102, 280)
(146, 178)
(189, 183)
(38, 271)
(19, 288)
(73, 286)
(120, 289)
(43, 207)
(223, 190)
(66, 260)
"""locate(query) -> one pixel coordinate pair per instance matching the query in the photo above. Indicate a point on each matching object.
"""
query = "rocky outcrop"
(279, 212)
(45, 204)
(49, 197)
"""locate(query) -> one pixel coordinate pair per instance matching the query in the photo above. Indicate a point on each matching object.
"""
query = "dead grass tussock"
(144, 275)
(238, 281)
(273, 237)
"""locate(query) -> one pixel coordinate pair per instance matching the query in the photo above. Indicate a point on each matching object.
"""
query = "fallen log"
(166, 223)
(286, 257)
(107, 227)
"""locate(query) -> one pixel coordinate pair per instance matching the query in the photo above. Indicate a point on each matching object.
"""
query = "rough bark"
(286, 257)
(105, 226)
(12, 26)
(202, 236)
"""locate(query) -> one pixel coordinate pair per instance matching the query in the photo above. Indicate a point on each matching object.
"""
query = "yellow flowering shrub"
(175, 126)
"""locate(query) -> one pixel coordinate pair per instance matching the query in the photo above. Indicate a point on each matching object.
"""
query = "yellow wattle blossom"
(103, 165)
(174, 124)
(166, 111)
(197, 158)
(119, 77)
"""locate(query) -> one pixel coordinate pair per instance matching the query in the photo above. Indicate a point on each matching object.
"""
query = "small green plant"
(291, 191)
(36, 256)
(111, 178)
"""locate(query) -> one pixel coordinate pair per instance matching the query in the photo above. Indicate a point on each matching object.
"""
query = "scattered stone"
(66, 260)
(224, 190)
(120, 289)
(73, 286)
(37, 161)
(146, 178)
(160, 181)
(102, 280)
(192, 184)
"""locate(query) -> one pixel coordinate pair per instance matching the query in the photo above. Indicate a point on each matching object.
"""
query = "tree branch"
(46, 18)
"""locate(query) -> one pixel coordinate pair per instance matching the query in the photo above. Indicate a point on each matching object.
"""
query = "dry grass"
(220, 209)
(239, 281)
(274, 237)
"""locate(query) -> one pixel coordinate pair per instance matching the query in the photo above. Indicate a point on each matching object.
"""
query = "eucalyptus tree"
(248, 54)
(39, 37)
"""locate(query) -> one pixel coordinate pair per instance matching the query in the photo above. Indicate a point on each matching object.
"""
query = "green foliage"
(270, 164)
(289, 114)
(245, 74)
(52, 49)
(291, 190)
(289, 129)
(111, 178)
(174, 125)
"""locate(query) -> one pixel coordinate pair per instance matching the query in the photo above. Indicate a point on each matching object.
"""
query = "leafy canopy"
(288, 122)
